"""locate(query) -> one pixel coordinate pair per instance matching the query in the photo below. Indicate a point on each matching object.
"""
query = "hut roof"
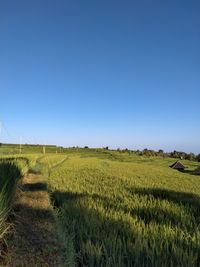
(177, 165)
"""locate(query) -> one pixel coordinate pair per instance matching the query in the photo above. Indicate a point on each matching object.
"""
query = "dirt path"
(34, 241)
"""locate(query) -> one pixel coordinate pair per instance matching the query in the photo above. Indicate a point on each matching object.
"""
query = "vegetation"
(34, 241)
(14, 149)
(113, 208)
(11, 170)
(127, 211)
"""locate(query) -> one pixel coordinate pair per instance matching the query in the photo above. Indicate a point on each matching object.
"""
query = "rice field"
(127, 210)
(114, 209)
(11, 170)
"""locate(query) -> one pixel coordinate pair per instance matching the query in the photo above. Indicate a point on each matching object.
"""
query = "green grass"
(26, 149)
(114, 209)
(11, 170)
(126, 210)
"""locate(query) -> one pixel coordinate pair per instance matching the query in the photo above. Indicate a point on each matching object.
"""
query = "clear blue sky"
(117, 73)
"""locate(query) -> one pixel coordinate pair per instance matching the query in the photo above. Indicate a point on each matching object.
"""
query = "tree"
(198, 157)
(174, 154)
(190, 156)
(147, 153)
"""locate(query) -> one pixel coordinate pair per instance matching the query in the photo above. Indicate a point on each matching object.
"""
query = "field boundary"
(34, 241)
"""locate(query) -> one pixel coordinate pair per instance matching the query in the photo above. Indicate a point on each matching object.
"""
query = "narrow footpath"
(33, 240)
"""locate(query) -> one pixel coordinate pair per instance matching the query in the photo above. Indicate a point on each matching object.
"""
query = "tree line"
(160, 153)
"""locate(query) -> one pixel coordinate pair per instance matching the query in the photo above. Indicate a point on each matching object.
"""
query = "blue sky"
(116, 73)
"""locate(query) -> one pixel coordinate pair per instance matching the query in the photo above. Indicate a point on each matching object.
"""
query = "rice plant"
(136, 212)
(11, 170)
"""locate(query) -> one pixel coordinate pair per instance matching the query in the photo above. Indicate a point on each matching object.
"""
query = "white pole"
(20, 145)
(44, 148)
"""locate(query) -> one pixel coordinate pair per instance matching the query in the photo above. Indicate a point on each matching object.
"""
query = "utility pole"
(20, 145)
(44, 149)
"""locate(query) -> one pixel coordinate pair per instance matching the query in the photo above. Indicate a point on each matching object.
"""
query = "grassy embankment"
(32, 240)
(11, 170)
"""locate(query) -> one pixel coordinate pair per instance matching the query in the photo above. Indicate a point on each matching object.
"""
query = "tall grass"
(11, 170)
(133, 213)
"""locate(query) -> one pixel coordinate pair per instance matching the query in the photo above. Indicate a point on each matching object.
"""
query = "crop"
(11, 170)
(127, 211)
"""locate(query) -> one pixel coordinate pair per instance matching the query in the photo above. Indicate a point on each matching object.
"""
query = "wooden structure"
(178, 166)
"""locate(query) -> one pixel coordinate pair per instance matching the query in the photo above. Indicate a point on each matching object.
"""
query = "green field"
(127, 211)
(117, 209)
(11, 170)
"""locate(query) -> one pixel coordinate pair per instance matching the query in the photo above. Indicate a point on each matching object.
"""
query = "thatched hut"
(178, 166)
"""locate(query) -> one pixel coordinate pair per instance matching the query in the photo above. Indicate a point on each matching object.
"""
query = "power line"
(3, 129)
(15, 136)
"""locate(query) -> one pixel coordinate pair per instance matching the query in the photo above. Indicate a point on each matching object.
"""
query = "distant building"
(178, 166)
